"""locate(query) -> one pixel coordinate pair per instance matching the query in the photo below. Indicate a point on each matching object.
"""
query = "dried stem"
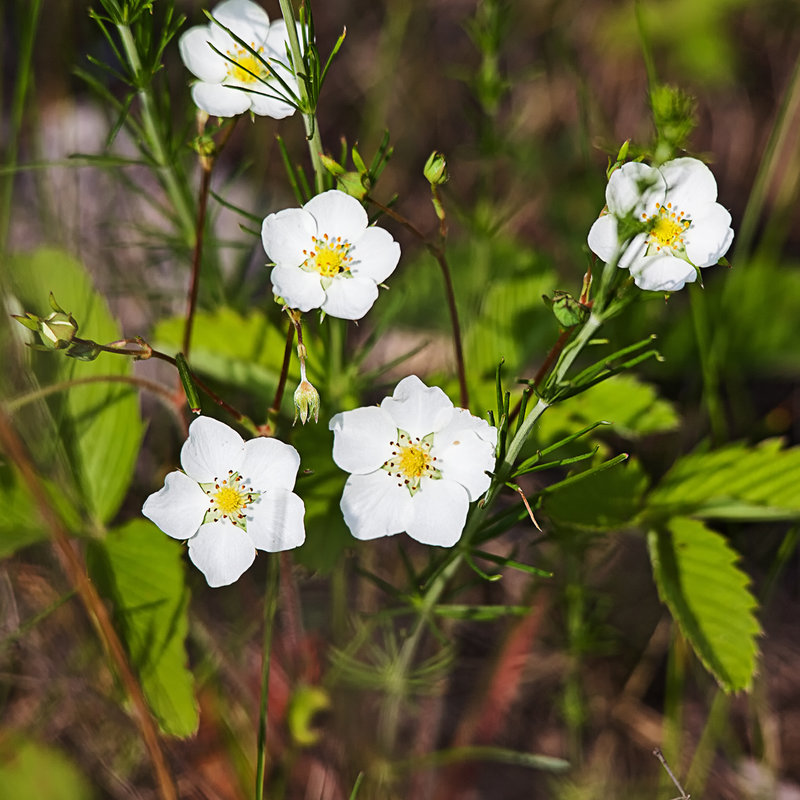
(437, 251)
(207, 163)
(98, 614)
(275, 408)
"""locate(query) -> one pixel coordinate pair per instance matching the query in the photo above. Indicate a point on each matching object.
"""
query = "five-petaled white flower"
(232, 498)
(327, 256)
(231, 79)
(416, 462)
(685, 227)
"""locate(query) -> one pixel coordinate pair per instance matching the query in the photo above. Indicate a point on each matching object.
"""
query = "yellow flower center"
(412, 461)
(667, 227)
(228, 499)
(247, 68)
(329, 257)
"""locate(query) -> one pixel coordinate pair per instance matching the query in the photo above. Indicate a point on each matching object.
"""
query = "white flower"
(327, 256)
(232, 498)
(686, 227)
(416, 462)
(231, 65)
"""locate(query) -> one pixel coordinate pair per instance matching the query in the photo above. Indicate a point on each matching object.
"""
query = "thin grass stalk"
(93, 603)
(176, 193)
(21, 87)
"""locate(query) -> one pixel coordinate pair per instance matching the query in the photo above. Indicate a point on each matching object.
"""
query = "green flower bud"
(56, 330)
(435, 169)
(306, 402)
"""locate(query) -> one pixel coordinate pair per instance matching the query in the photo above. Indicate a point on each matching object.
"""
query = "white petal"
(465, 458)
(633, 187)
(222, 552)
(440, 512)
(350, 298)
(178, 507)
(220, 101)
(361, 439)
(602, 237)
(374, 505)
(375, 255)
(690, 183)
(269, 464)
(286, 234)
(246, 19)
(275, 521)
(418, 409)
(338, 214)
(211, 450)
(278, 39)
(634, 252)
(709, 236)
(199, 58)
(265, 106)
(663, 273)
(299, 288)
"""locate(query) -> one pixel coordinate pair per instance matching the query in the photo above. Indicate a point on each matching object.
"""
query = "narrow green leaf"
(479, 613)
(605, 500)
(632, 407)
(140, 570)
(708, 595)
(737, 482)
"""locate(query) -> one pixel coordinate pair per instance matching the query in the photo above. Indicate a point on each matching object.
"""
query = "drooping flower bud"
(306, 402)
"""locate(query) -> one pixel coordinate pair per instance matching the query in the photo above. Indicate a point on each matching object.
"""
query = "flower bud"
(56, 330)
(306, 402)
(435, 169)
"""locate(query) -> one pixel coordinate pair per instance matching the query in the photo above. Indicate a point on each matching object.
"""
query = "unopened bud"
(56, 330)
(435, 169)
(306, 402)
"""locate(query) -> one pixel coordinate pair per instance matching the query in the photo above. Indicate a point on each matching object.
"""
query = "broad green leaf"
(20, 523)
(632, 407)
(607, 500)
(707, 594)
(140, 570)
(243, 351)
(99, 422)
(29, 769)
(737, 482)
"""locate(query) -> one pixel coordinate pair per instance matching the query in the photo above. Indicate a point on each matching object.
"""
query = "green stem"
(270, 606)
(165, 163)
(309, 114)
(708, 366)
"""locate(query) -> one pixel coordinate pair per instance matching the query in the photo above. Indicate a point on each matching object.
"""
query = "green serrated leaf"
(99, 422)
(708, 595)
(30, 769)
(140, 570)
(735, 482)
